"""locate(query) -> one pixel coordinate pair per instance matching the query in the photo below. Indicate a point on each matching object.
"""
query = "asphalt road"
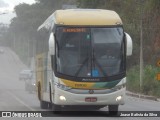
(13, 96)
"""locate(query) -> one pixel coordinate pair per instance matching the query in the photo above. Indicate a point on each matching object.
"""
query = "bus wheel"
(56, 109)
(39, 91)
(113, 109)
(43, 105)
(50, 95)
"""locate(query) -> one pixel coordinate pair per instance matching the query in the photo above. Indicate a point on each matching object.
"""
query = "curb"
(142, 96)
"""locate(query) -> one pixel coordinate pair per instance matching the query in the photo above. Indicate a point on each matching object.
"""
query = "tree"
(22, 33)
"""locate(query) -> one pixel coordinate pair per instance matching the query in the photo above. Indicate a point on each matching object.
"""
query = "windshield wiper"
(96, 62)
(84, 62)
(100, 68)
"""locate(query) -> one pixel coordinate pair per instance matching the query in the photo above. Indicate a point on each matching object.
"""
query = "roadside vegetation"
(138, 16)
(149, 84)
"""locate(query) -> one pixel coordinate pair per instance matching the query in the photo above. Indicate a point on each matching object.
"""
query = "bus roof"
(90, 17)
(87, 17)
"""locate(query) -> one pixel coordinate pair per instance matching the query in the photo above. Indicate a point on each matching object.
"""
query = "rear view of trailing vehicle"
(25, 74)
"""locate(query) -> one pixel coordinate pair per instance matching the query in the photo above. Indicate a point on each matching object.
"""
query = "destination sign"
(74, 30)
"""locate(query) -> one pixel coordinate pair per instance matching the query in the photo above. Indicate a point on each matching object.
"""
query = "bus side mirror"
(129, 45)
(51, 44)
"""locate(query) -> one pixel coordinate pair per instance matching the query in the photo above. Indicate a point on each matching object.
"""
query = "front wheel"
(44, 105)
(113, 109)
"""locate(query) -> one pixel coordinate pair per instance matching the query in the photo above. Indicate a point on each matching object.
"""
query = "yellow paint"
(87, 17)
(39, 69)
(80, 85)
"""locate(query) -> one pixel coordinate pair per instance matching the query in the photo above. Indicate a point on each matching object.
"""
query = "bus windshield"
(89, 52)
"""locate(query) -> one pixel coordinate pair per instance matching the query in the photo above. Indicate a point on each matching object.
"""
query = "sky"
(7, 7)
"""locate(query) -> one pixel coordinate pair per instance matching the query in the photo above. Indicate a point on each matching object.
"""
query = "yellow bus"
(81, 60)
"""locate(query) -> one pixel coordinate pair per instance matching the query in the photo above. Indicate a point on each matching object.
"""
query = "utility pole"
(141, 46)
(141, 56)
(28, 50)
(14, 41)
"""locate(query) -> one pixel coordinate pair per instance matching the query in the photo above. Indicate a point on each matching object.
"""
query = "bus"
(81, 60)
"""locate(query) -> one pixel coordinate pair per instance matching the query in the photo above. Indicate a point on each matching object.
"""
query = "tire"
(39, 91)
(50, 96)
(43, 105)
(50, 93)
(113, 109)
(50, 106)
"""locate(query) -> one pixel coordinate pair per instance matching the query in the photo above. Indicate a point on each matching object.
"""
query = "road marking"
(21, 101)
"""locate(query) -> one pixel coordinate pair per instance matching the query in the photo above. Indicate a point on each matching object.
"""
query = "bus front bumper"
(67, 98)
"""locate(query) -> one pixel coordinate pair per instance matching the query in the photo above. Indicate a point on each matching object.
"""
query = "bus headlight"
(62, 98)
(119, 98)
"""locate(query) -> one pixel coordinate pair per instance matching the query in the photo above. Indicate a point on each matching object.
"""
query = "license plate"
(91, 99)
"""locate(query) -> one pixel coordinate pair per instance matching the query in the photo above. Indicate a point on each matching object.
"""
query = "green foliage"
(55, 4)
(150, 86)
(23, 28)
(133, 83)
(91, 3)
(154, 4)
(23, 31)
(22, 34)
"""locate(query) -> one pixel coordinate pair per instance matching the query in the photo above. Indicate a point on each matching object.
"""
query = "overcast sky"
(7, 6)
(3, 4)
(16, 2)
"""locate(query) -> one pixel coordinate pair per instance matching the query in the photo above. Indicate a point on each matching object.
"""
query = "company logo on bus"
(88, 79)
(91, 91)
